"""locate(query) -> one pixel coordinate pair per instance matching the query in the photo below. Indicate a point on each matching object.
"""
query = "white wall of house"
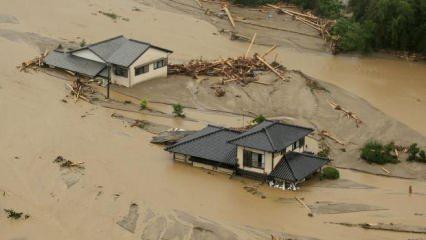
(86, 53)
(148, 58)
(119, 80)
(271, 159)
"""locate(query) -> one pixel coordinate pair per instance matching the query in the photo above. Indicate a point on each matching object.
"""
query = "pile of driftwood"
(241, 69)
(33, 63)
(78, 88)
(322, 25)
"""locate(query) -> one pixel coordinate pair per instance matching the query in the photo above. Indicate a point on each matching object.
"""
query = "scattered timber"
(33, 63)
(64, 163)
(241, 69)
(348, 113)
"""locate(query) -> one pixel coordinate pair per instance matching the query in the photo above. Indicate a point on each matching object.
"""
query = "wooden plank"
(269, 51)
(269, 66)
(250, 46)
(228, 13)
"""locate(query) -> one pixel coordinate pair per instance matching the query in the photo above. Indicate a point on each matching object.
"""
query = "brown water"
(396, 87)
(35, 127)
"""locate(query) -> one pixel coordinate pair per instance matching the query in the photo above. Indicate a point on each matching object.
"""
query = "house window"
(121, 71)
(141, 70)
(294, 146)
(254, 160)
(159, 64)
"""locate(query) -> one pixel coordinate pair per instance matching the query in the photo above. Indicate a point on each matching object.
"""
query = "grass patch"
(259, 119)
(375, 152)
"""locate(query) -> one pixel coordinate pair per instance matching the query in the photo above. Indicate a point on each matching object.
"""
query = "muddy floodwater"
(130, 188)
(397, 87)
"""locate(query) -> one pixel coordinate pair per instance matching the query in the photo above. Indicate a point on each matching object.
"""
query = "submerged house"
(124, 61)
(271, 151)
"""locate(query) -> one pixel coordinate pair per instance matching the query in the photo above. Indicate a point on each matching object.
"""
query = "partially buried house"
(271, 151)
(125, 61)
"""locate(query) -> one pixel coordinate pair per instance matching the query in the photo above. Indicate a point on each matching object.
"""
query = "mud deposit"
(176, 200)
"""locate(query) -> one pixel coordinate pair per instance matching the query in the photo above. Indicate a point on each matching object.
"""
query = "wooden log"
(303, 204)
(199, 3)
(269, 66)
(228, 13)
(385, 170)
(325, 133)
(269, 51)
(250, 46)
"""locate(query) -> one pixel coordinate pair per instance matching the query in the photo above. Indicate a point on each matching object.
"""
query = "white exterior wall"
(267, 156)
(149, 57)
(86, 53)
(119, 80)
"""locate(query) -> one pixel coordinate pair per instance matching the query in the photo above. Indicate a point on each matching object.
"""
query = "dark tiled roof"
(210, 143)
(271, 136)
(297, 166)
(74, 63)
(120, 50)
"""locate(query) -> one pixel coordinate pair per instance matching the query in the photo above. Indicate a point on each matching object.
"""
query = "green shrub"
(13, 214)
(413, 150)
(324, 150)
(178, 110)
(375, 152)
(330, 173)
(143, 104)
(422, 155)
(83, 43)
(259, 119)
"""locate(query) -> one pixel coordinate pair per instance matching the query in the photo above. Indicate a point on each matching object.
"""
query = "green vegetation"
(325, 8)
(353, 36)
(83, 43)
(260, 118)
(143, 104)
(383, 24)
(416, 154)
(324, 150)
(178, 110)
(330, 173)
(375, 152)
(15, 215)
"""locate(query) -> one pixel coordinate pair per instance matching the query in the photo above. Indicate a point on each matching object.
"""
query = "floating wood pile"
(33, 63)
(241, 69)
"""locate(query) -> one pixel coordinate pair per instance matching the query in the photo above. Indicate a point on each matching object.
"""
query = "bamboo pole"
(269, 66)
(225, 8)
(269, 51)
(250, 46)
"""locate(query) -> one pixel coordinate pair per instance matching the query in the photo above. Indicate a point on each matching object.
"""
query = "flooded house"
(270, 151)
(123, 61)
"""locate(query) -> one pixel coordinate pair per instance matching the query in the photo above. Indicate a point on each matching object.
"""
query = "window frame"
(248, 159)
(144, 67)
(121, 71)
(163, 62)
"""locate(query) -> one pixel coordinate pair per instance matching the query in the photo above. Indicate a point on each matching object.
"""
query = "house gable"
(88, 54)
